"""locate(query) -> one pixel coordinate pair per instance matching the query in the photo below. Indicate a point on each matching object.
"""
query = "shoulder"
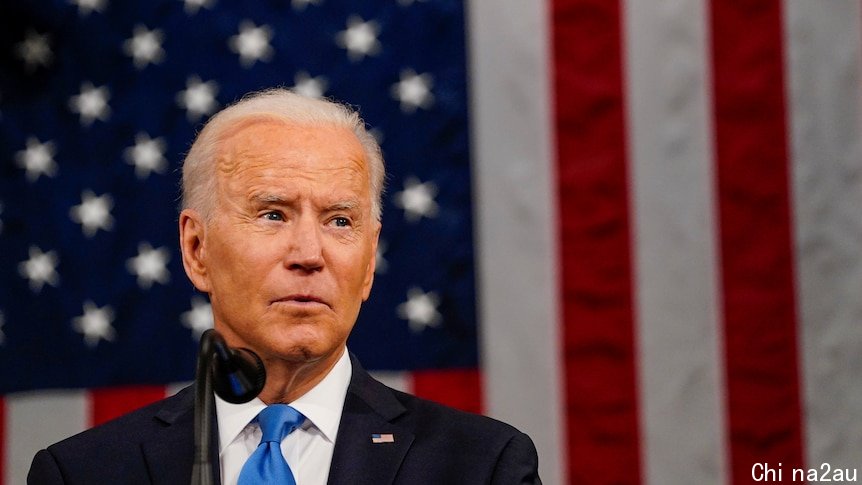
(422, 416)
(474, 446)
(425, 415)
(134, 427)
(450, 445)
(115, 447)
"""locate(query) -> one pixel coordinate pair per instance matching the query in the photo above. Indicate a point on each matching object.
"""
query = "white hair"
(199, 180)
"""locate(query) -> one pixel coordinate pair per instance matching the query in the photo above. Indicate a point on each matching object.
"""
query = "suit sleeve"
(44, 470)
(518, 463)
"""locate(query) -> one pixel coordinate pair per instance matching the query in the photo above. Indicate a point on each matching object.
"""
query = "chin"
(305, 349)
(299, 354)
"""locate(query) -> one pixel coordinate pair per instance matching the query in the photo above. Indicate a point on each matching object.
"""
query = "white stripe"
(823, 66)
(675, 254)
(35, 420)
(176, 387)
(396, 380)
(515, 218)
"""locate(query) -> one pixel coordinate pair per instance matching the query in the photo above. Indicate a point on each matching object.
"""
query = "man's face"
(288, 256)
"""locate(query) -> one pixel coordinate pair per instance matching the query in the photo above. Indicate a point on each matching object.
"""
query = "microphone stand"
(202, 472)
(236, 375)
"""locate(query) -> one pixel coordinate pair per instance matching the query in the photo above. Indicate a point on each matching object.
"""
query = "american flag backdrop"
(630, 228)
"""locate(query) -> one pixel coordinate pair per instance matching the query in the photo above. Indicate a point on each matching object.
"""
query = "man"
(280, 222)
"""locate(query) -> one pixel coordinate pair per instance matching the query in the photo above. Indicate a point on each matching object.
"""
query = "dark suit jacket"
(433, 444)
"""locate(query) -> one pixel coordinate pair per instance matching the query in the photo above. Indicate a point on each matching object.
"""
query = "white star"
(199, 318)
(35, 50)
(37, 159)
(91, 104)
(417, 199)
(40, 269)
(252, 43)
(95, 324)
(192, 6)
(420, 310)
(94, 213)
(413, 91)
(2, 322)
(150, 265)
(147, 155)
(380, 263)
(198, 99)
(301, 4)
(360, 38)
(145, 46)
(313, 87)
(87, 6)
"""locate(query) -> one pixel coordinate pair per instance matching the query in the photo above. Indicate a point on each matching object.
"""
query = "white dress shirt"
(308, 450)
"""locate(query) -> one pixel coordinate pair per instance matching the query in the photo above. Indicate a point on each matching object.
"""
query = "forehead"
(255, 142)
(272, 137)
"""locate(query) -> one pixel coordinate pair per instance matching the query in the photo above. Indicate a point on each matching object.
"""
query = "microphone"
(236, 375)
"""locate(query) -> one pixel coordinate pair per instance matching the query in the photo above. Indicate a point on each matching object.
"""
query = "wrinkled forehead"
(282, 159)
(264, 138)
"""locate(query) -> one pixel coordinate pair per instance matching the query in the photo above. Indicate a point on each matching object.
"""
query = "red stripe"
(599, 352)
(756, 246)
(460, 388)
(109, 403)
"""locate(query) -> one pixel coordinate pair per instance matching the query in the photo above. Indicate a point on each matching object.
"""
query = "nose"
(305, 246)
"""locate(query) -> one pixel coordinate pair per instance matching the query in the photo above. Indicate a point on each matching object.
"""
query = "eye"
(273, 216)
(340, 221)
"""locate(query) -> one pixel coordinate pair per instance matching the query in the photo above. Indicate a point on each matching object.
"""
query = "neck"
(287, 381)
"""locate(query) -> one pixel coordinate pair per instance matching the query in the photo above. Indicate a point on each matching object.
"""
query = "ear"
(372, 264)
(193, 248)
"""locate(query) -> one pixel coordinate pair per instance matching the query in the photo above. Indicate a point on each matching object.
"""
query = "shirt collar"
(322, 405)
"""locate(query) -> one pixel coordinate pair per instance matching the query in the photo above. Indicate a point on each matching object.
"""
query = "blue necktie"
(266, 464)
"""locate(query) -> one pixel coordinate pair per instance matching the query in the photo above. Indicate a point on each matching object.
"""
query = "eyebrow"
(345, 205)
(342, 205)
(269, 198)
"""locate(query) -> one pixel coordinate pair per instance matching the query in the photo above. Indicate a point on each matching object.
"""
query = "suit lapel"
(369, 409)
(169, 453)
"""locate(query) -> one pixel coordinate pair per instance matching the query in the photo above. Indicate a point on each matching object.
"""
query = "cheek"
(234, 267)
(361, 277)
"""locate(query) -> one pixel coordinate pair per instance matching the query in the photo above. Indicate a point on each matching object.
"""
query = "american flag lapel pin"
(383, 438)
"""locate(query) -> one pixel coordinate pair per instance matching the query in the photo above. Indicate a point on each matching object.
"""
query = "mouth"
(304, 300)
